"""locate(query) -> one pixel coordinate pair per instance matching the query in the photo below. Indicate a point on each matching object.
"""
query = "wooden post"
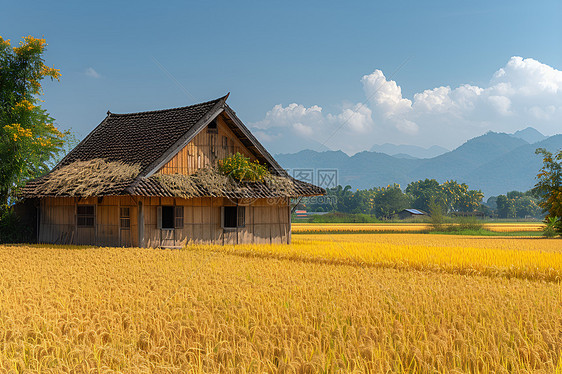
(253, 224)
(119, 222)
(290, 224)
(38, 220)
(140, 223)
(211, 216)
(76, 218)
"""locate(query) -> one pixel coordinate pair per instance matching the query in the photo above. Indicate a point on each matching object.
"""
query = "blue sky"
(135, 56)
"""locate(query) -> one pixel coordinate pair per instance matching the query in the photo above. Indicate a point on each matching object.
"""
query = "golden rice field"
(327, 303)
(403, 227)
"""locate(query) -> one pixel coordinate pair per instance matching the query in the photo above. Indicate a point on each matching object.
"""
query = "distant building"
(411, 213)
(301, 213)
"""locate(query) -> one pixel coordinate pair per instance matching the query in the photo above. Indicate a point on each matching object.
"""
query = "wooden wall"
(205, 149)
(57, 221)
(267, 221)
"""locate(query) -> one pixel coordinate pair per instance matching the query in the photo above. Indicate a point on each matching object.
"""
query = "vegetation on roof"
(216, 183)
(99, 177)
(235, 174)
(87, 178)
(239, 167)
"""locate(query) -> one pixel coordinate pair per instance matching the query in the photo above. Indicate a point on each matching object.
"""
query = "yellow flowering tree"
(28, 138)
(549, 189)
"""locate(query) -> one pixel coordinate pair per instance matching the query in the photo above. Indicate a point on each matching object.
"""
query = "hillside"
(494, 162)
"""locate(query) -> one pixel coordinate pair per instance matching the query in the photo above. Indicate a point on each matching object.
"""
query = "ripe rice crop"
(303, 308)
(311, 228)
(533, 258)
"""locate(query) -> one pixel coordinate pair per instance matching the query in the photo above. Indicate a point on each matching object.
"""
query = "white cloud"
(358, 119)
(90, 72)
(287, 116)
(385, 95)
(524, 92)
(303, 129)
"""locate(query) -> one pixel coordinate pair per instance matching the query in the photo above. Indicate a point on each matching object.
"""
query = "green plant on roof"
(241, 168)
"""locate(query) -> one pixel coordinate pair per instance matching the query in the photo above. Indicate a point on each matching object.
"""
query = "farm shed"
(150, 179)
(411, 213)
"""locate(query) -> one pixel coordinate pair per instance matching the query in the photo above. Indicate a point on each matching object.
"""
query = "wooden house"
(139, 179)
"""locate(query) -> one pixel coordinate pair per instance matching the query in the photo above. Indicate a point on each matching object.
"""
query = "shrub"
(11, 229)
(436, 215)
(241, 168)
(467, 223)
(553, 227)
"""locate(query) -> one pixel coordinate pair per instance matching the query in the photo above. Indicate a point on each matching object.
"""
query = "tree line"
(450, 197)
(385, 202)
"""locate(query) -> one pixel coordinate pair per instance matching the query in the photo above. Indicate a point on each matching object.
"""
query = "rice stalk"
(87, 178)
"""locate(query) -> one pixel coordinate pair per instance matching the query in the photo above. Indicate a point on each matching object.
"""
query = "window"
(125, 218)
(233, 217)
(85, 215)
(167, 217)
(224, 142)
(170, 217)
(179, 217)
(241, 216)
(212, 127)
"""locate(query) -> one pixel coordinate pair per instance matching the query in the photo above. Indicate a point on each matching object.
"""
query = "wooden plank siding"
(58, 225)
(205, 149)
(266, 221)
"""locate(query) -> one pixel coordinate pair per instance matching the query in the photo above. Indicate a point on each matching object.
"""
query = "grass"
(485, 232)
(327, 303)
(339, 218)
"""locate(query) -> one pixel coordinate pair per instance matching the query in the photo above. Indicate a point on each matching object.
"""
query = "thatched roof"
(102, 178)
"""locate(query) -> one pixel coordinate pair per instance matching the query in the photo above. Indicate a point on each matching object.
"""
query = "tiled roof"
(138, 137)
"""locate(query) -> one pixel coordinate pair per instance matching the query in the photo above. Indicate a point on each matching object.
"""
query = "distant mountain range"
(408, 151)
(530, 135)
(494, 163)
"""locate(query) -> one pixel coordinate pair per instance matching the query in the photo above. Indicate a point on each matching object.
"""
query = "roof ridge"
(109, 113)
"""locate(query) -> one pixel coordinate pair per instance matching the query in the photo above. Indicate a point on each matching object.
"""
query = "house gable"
(206, 148)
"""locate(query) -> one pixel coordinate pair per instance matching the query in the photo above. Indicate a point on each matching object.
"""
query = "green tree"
(422, 191)
(505, 207)
(343, 197)
(516, 204)
(28, 138)
(389, 201)
(549, 187)
(458, 198)
(525, 206)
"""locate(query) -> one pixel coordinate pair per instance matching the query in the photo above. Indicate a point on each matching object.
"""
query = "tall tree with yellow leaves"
(28, 138)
